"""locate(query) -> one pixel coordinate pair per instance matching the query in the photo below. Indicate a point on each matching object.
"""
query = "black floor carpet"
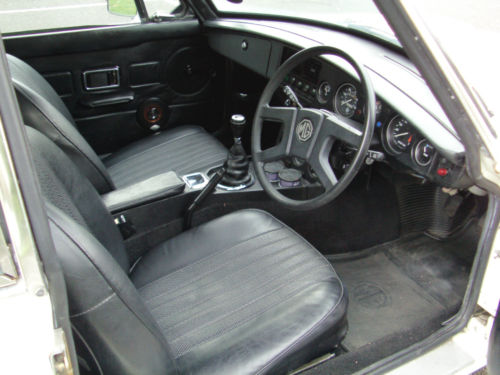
(333, 228)
(392, 289)
(399, 293)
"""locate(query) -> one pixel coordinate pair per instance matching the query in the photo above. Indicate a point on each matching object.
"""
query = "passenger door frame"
(44, 317)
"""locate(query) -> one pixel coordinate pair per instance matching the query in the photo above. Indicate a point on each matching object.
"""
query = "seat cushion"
(242, 294)
(185, 149)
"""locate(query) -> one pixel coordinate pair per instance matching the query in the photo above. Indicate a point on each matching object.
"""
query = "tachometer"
(399, 134)
(346, 100)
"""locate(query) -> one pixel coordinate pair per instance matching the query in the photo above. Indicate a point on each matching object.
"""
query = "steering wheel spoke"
(343, 129)
(284, 115)
(320, 163)
(273, 153)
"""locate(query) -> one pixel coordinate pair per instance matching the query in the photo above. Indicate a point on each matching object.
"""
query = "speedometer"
(399, 134)
(346, 100)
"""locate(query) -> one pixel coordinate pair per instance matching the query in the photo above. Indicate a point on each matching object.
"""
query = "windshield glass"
(361, 15)
(468, 31)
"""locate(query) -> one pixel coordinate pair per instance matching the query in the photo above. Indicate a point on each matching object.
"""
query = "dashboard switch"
(442, 172)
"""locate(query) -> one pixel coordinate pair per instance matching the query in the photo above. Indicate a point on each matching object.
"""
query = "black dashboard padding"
(255, 56)
(154, 188)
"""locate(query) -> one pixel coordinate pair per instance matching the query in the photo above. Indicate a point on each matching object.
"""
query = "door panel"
(166, 77)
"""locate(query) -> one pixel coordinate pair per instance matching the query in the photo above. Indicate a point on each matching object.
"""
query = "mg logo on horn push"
(304, 130)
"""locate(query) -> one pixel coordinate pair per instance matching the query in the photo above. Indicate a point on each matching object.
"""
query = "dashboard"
(412, 132)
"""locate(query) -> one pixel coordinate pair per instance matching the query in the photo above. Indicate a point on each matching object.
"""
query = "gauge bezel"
(394, 149)
(336, 95)
(414, 153)
(318, 95)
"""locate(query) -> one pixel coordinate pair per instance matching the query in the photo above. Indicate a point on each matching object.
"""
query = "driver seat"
(185, 149)
(242, 294)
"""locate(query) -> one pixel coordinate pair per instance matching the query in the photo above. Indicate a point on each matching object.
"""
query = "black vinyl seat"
(242, 294)
(185, 149)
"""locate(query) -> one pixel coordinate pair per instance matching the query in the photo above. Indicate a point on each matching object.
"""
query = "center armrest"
(154, 188)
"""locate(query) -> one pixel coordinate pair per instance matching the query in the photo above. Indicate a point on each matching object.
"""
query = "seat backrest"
(109, 319)
(44, 110)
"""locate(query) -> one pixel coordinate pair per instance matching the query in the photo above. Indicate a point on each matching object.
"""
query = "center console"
(154, 210)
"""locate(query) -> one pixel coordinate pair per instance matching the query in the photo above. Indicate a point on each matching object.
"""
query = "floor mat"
(396, 286)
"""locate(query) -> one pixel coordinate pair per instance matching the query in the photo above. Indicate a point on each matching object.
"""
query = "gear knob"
(238, 123)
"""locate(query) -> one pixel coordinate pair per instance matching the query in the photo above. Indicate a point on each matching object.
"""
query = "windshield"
(468, 31)
(361, 15)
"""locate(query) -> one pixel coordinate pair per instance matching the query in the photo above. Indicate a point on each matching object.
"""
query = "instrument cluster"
(343, 97)
(399, 138)
(319, 85)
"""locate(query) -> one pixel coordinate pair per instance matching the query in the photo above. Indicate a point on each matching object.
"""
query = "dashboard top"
(395, 79)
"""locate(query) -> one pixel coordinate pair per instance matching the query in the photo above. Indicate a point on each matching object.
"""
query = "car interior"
(245, 196)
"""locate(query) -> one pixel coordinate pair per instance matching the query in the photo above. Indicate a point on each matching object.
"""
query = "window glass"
(18, 16)
(468, 31)
(161, 7)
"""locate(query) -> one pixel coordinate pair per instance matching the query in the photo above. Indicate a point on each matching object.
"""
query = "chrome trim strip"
(22, 242)
(8, 271)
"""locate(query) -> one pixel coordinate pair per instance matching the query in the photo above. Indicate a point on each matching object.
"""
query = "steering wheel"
(309, 133)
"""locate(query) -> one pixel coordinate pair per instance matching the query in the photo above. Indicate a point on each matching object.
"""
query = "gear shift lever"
(237, 176)
(238, 123)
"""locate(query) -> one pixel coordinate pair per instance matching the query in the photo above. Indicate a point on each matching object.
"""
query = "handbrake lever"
(204, 193)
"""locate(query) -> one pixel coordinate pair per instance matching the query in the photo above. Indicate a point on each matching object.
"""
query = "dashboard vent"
(311, 70)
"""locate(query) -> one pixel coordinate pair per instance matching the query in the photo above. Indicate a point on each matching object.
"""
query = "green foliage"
(122, 7)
